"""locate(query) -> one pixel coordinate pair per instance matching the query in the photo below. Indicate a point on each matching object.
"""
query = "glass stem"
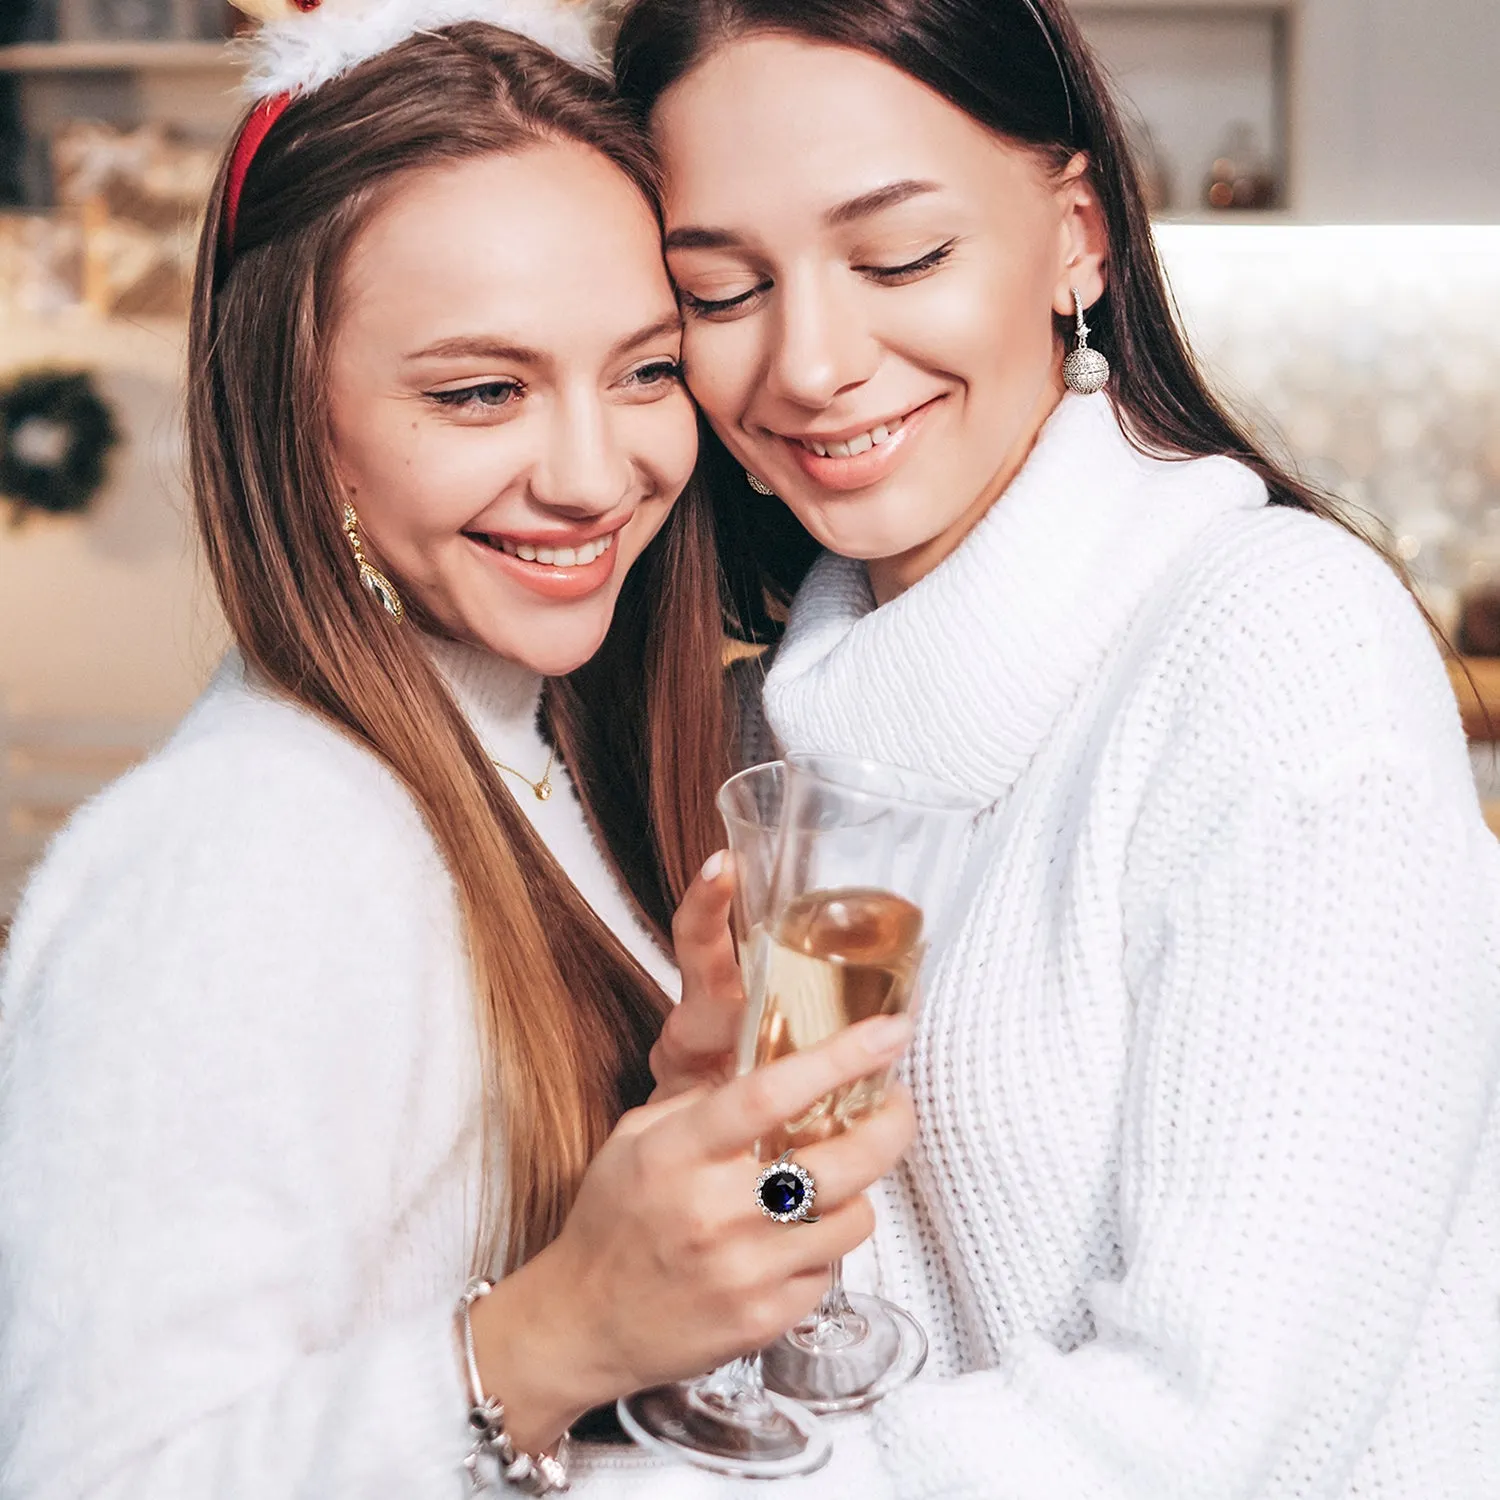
(738, 1389)
(832, 1321)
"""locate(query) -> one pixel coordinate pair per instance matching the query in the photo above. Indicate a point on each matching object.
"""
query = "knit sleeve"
(220, 1005)
(1314, 1048)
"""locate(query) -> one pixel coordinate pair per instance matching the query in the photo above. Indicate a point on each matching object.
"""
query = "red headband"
(257, 128)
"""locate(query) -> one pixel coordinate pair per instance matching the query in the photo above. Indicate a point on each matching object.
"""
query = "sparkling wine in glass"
(727, 1421)
(868, 862)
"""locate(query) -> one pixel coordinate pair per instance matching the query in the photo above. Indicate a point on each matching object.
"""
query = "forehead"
(807, 124)
(551, 244)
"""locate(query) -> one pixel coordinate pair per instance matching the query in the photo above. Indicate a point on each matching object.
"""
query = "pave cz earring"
(759, 485)
(1085, 370)
(379, 587)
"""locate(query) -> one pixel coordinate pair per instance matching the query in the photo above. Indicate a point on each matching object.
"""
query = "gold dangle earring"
(376, 583)
(1085, 370)
(759, 485)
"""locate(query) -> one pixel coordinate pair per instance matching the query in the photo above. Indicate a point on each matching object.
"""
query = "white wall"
(1397, 110)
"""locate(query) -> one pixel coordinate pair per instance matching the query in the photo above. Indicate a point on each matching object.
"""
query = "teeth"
(557, 557)
(853, 447)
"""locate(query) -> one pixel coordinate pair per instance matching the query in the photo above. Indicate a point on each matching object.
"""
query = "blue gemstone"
(783, 1192)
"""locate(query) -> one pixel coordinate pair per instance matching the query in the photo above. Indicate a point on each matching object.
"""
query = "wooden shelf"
(119, 57)
(1178, 7)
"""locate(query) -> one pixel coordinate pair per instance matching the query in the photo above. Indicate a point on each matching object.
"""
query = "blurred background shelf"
(119, 57)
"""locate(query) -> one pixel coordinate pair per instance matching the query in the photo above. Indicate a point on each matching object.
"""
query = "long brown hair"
(565, 1016)
(1022, 69)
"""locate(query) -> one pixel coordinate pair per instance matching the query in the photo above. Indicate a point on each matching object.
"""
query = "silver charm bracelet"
(545, 1475)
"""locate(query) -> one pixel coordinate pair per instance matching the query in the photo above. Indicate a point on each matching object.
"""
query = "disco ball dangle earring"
(1085, 370)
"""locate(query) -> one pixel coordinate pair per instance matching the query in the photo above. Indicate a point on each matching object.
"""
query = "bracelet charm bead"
(545, 1474)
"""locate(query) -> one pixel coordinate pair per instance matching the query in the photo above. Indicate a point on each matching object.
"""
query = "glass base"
(746, 1437)
(830, 1368)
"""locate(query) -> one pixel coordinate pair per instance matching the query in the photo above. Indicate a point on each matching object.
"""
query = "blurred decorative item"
(140, 195)
(55, 435)
(1241, 177)
(127, 20)
(1479, 622)
(41, 264)
(1354, 349)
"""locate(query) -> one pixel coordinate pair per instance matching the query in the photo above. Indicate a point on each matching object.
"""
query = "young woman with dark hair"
(337, 1002)
(1205, 1200)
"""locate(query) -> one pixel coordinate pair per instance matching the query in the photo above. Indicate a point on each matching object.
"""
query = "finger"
(732, 1118)
(847, 1164)
(704, 949)
(806, 1249)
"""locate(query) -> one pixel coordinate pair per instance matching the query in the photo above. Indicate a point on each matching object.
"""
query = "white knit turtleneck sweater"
(1206, 1197)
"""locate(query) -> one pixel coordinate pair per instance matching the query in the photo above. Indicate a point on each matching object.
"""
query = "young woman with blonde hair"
(338, 1001)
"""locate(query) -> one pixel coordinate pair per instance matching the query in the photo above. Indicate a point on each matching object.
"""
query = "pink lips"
(863, 469)
(550, 581)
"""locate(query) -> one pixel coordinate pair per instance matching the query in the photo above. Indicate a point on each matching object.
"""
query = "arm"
(1313, 1062)
(226, 1100)
(209, 1077)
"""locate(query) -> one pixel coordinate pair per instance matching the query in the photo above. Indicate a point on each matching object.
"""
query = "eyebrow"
(868, 204)
(469, 346)
(696, 237)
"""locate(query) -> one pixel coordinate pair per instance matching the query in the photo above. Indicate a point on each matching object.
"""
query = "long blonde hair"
(565, 1016)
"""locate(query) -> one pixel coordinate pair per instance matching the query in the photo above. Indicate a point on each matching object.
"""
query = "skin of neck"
(890, 577)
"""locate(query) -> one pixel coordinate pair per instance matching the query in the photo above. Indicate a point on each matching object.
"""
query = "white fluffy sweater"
(238, 1101)
(1206, 1199)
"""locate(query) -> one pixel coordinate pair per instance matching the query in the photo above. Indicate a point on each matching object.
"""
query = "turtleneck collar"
(499, 698)
(964, 674)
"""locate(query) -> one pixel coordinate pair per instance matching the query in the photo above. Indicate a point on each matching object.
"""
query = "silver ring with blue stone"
(786, 1192)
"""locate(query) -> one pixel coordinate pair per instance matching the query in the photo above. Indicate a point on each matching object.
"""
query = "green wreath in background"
(55, 437)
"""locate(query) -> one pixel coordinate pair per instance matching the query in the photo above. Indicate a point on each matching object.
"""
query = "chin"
(872, 537)
(551, 651)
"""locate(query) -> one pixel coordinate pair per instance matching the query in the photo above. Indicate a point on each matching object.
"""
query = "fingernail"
(714, 865)
(887, 1034)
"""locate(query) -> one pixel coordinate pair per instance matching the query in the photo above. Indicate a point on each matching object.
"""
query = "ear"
(1083, 244)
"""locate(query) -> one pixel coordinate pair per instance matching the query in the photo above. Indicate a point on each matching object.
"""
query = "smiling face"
(508, 415)
(869, 279)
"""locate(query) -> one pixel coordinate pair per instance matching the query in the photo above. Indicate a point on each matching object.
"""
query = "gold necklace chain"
(542, 789)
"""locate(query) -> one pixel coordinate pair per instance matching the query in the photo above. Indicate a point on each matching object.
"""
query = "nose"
(822, 345)
(584, 470)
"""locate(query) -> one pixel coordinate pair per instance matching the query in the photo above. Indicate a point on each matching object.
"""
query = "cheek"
(723, 364)
(983, 326)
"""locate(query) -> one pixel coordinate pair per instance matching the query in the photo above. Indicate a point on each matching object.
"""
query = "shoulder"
(254, 808)
(1288, 630)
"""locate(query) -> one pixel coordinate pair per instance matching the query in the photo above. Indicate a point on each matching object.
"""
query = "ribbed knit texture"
(1206, 1197)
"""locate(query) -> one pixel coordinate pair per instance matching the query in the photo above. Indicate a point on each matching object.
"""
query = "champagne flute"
(867, 865)
(727, 1421)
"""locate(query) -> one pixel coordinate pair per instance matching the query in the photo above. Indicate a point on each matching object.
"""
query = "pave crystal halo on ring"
(786, 1192)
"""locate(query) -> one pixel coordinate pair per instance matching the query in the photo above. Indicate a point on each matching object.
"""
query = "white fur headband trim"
(294, 51)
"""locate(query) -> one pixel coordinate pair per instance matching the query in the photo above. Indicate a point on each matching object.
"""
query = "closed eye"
(896, 275)
(706, 307)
